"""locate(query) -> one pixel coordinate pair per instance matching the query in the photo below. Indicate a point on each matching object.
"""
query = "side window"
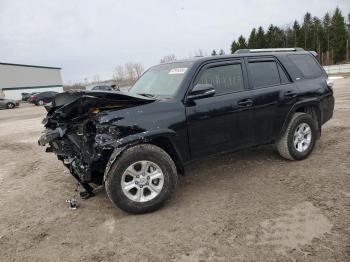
(307, 65)
(225, 79)
(264, 73)
(284, 78)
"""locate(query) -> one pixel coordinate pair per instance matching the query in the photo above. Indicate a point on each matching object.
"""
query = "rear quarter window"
(307, 65)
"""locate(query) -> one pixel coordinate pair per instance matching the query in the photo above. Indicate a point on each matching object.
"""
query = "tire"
(119, 173)
(10, 105)
(287, 145)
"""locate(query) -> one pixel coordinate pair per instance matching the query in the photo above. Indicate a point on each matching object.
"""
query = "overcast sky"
(92, 37)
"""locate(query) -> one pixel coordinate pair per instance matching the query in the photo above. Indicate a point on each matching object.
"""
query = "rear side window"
(225, 79)
(284, 78)
(264, 73)
(307, 65)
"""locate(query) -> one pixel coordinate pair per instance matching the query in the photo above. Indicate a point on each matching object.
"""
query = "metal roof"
(35, 66)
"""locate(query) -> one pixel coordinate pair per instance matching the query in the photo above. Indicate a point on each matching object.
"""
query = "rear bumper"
(327, 108)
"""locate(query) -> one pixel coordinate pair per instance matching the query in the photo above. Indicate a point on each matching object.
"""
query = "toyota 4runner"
(137, 143)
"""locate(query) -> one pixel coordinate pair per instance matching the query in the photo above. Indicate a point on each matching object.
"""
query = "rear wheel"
(10, 105)
(299, 139)
(141, 179)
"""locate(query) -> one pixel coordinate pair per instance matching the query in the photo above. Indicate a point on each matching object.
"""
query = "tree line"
(329, 37)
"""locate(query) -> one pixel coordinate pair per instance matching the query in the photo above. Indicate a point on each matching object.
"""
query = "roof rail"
(262, 50)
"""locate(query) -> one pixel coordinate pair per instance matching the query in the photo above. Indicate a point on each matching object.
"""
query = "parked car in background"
(103, 88)
(8, 103)
(43, 98)
(26, 96)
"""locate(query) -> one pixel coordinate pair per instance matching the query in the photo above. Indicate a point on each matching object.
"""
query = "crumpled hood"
(69, 105)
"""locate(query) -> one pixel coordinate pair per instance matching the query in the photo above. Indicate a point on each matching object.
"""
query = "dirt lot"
(246, 206)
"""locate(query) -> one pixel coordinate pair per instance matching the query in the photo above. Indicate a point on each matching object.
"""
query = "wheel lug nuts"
(148, 177)
(137, 176)
(147, 183)
(136, 182)
(141, 186)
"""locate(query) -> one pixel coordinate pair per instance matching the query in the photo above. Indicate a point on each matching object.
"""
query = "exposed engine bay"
(82, 130)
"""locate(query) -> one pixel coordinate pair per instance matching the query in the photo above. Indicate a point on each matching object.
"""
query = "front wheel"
(10, 105)
(298, 141)
(141, 179)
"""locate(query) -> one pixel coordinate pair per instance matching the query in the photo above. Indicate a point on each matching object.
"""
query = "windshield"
(161, 80)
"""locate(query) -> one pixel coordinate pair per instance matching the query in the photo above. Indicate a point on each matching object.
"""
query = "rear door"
(273, 96)
(222, 122)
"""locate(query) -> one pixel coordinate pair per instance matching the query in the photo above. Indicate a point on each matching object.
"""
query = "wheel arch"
(164, 140)
(311, 107)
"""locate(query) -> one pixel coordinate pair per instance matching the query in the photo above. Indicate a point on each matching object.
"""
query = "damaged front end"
(82, 130)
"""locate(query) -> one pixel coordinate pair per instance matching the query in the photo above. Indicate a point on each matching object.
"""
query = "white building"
(16, 79)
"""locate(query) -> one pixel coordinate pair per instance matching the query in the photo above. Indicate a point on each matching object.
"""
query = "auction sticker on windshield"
(176, 71)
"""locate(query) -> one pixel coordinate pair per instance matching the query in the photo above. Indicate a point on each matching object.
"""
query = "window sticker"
(177, 71)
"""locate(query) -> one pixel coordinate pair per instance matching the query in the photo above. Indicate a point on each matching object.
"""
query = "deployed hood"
(69, 105)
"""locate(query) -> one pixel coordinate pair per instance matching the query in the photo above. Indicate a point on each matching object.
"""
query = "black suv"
(136, 143)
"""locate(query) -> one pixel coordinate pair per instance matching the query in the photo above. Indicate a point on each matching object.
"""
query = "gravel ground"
(246, 206)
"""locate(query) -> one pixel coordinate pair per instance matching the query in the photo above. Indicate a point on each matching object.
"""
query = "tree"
(242, 42)
(306, 29)
(252, 39)
(338, 36)
(214, 53)
(260, 38)
(234, 47)
(274, 37)
(221, 52)
(168, 58)
(298, 38)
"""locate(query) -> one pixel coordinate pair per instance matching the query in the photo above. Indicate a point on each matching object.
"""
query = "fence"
(337, 69)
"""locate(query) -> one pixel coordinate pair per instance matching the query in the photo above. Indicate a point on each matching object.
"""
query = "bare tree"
(97, 79)
(138, 69)
(168, 58)
(199, 52)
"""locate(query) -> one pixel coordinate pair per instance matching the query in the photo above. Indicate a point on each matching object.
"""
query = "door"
(224, 121)
(273, 96)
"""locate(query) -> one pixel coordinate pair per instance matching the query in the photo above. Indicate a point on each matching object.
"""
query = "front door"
(224, 121)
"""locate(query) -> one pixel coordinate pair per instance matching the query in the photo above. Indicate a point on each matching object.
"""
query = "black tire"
(134, 154)
(285, 145)
(10, 105)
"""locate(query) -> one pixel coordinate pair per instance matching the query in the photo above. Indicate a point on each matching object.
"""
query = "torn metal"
(82, 129)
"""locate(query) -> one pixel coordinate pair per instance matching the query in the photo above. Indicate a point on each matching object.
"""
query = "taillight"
(330, 84)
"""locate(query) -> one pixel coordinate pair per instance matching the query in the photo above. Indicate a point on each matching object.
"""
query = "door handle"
(290, 94)
(245, 102)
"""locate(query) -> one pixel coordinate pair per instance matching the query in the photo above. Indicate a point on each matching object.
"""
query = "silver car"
(8, 103)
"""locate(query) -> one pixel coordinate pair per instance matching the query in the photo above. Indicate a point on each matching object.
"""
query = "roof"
(35, 66)
(246, 53)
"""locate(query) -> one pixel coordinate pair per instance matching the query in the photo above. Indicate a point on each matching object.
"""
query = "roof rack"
(262, 50)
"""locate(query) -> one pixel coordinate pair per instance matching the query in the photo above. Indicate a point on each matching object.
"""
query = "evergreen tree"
(289, 37)
(234, 47)
(222, 52)
(213, 53)
(298, 37)
(274, 37)
(260, 38)
(306, 29)
(338, 36)
(242, 42)
(252, 39)
(326, 27)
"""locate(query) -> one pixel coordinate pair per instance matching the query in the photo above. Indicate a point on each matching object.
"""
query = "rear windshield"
(307, 65)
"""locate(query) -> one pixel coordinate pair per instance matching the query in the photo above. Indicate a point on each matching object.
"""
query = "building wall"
(16, 79)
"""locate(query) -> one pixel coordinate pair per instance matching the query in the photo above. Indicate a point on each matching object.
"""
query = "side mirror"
(201, 91)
